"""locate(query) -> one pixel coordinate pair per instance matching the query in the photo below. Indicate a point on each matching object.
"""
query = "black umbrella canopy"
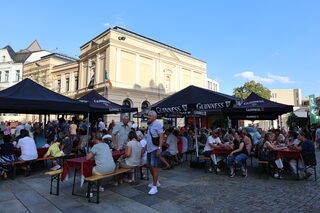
(256, 105)
(254, 117)
(98, 103)
(192, 99)
(29, 97)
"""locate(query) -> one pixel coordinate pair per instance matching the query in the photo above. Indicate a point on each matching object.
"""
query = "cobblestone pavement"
(183, 190)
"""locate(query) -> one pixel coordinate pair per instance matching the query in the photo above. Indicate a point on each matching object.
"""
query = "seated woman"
(132, 156)
(267, 153)
(28, 148)
(54, 151)
(102, 156)
(237, 156)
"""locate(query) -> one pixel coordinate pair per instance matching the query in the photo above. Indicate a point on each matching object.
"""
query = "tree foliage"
(295, 121)
(252, 86)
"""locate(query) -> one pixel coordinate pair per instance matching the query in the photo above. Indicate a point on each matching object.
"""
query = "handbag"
(155, 140)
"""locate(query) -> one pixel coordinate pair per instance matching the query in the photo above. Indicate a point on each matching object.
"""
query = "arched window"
(127, 103)
(145, 105)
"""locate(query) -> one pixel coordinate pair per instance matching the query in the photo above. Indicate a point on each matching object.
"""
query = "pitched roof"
(34, 46)
(21, 57)
(10, 51)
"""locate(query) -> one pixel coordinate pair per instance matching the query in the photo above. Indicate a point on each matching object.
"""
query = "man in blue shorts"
(154, 133)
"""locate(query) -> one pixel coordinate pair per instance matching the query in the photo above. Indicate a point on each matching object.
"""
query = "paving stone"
(126, 191)
(11, 206)
(6, 195)
(45, 207)
(146, 199)
(183, 189)
(169, 206)
(30, 197)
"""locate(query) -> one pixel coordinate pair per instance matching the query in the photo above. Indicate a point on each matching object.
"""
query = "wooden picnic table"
(84, 165)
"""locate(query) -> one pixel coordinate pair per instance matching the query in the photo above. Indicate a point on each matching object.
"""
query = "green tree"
(294, 121)
(252, 86)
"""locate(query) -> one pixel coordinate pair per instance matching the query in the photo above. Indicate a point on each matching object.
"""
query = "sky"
(276, 43)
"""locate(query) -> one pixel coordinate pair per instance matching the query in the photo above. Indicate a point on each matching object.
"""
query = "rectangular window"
(3, 59)
(59, 86)
(76, 83)
(17, 75)
(0, 76)
(67, 84)
(6, 76)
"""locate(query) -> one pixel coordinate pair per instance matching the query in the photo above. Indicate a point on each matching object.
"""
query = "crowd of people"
(262, 145)
(154, 146)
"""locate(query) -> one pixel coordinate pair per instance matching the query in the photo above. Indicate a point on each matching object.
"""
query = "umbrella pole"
(196, 136)
(45, 127)
(88, 132)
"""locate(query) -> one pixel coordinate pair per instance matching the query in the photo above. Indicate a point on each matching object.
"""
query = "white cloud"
(107, 24)
(251, 76)
(281, 79)
(270, 79)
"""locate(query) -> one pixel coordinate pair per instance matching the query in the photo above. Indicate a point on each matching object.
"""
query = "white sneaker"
(153, 190)
(55, 167)
(101, 189)
(150, 185)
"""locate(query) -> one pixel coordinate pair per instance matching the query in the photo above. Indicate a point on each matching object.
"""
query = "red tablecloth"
(222, 150)
(84, 165)
(41, 152)
(288, 153)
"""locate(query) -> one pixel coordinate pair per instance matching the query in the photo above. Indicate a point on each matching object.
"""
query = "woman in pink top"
(7, 129)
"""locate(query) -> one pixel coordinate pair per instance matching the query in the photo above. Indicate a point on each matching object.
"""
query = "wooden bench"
(265, 164)
(55, 176)
(13, 164)
(97, 178)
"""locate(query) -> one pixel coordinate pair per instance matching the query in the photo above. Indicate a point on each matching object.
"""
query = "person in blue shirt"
(256, 137)
(307, 150)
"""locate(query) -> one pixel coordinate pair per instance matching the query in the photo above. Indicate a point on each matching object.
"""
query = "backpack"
(264, 154)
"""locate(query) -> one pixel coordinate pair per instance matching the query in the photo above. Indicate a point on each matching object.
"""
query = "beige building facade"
(287, 96)
(142, 71)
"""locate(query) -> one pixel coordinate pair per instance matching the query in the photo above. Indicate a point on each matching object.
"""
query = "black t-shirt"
(236, 145)
(6, 149)
(67, 146)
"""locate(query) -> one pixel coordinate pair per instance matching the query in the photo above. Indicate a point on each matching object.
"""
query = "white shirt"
(18, 129)
(211, 140)
(172, 141)
(28, 148)
(102, 126)
(184, 144)
(143, 143)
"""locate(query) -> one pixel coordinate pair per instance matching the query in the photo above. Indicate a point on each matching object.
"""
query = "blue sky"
(274, 42)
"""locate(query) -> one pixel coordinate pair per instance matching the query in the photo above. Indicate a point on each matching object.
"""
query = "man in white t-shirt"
(212, 141)
(172, 147)
(101, 125)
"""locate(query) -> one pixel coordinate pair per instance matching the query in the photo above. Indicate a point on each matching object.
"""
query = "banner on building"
(313, 110)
